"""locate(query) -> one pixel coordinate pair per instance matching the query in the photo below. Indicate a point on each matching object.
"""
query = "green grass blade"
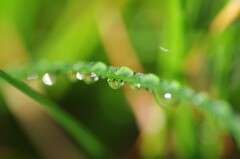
(87, 140)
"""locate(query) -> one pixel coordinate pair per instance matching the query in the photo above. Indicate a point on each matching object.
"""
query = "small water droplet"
(90, 78)
(112, 69)
(138, 76)
(98, 66)
(80, 76)
(124, 71)
(166, 99)
(115, 83)
(32, 76)
(48, 79)
(135, 86)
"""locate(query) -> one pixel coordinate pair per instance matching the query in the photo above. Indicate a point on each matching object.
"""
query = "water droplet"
(48, 79)
(32, 76)
(166, 99)
(112, 69)
(80, 76)
(135, 86)
(124, 71)
(98, 66)
(115, 83)
(138, 76)
(90, 78)
(94, 76)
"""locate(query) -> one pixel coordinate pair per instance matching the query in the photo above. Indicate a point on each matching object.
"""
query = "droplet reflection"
(80, 76)
(115, 83)
(90, 78)
(167, 95)
(48, 79)
(135, 86)
(94, 76)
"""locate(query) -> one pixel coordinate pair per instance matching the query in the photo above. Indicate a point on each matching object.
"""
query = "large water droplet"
(90, 78)
(124, 71)
(32, 76)
(80, 76)
(135, 86)
(48, 79)
(166, 99)
(115, 83)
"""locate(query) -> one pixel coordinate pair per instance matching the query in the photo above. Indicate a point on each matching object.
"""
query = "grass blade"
(87, 140)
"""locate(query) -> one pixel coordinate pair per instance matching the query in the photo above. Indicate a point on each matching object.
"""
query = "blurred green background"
(193, 42)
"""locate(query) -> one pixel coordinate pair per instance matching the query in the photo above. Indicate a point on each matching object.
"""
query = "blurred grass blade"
(89, 143)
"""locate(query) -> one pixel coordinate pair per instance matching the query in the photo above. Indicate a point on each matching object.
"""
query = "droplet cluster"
(167, 94)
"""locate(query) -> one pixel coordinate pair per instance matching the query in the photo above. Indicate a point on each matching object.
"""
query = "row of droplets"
(49, 80)
(149, 81)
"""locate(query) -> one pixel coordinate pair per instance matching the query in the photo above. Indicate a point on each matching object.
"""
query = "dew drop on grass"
(135, 86)
(48, 79)
(115, 83)
(138, 76)
(80, 76)
(166, 99)
(98, 66)
(124, 71)
(90, 78)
